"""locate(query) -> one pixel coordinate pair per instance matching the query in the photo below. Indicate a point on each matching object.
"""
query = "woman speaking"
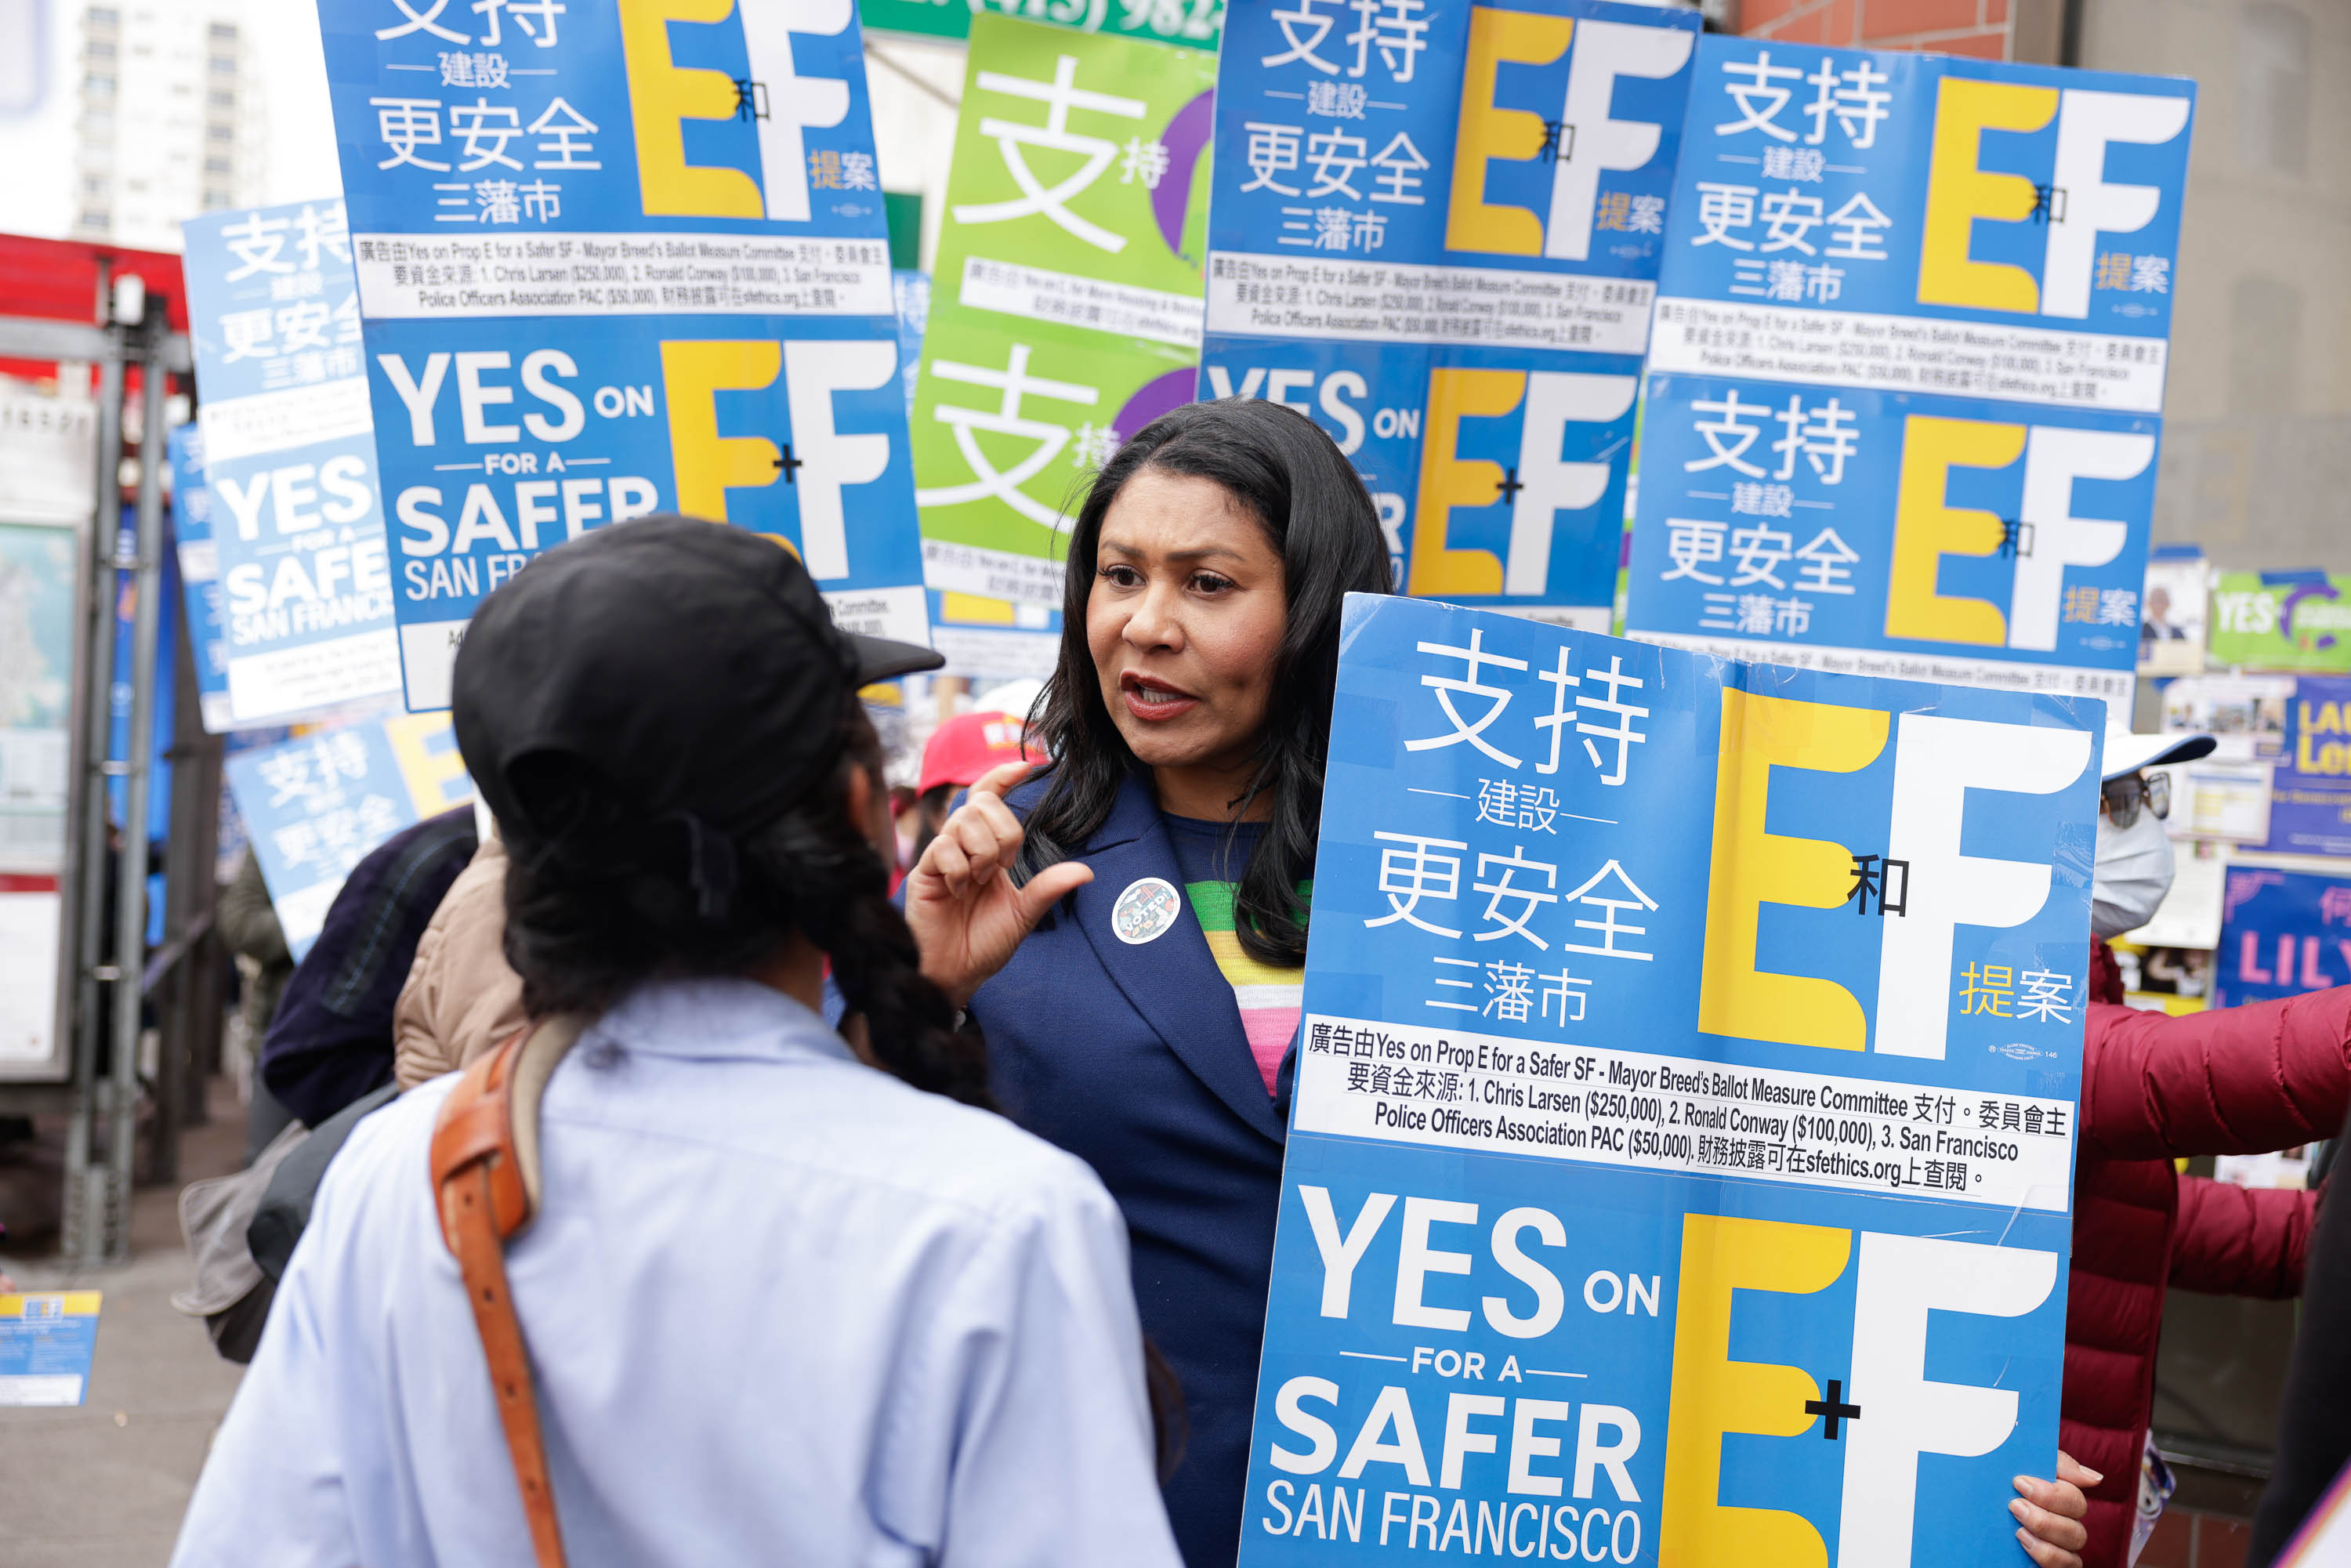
(1140, 990)
(1141, 1024)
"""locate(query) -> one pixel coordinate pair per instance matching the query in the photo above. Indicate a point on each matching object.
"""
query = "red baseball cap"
(967, 746)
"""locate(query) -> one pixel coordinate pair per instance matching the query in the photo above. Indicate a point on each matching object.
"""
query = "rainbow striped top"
(1269, 999)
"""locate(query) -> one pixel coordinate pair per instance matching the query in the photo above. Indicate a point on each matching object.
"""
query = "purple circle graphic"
(2317, 590)
(1186, 135)
(1156, 397)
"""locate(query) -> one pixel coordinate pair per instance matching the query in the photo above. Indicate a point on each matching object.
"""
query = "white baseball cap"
(2127, 753)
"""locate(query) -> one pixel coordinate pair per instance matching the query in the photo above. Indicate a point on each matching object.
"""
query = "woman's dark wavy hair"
(1279, 468)
(600, 897)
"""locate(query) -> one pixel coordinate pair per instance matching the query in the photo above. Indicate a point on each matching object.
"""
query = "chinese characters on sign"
(298, 564)
(1908, 375)
(611, 264)
(1609, 1104)
(315, 805)
(1440, 239)
(1068, 314)
(1192, 24)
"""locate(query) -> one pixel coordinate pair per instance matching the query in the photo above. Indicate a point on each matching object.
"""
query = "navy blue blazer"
(1131, 1056)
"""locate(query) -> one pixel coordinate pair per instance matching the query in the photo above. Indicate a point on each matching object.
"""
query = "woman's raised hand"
(965, 913)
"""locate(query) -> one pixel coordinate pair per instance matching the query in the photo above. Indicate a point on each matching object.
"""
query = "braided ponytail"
(844, 908)
(608, 902)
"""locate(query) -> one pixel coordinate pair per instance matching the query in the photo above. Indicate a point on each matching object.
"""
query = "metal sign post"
(99, 976)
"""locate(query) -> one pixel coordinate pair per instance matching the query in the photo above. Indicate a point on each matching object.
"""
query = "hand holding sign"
(1513, 1064)
(2050, 1514)
(965, 911)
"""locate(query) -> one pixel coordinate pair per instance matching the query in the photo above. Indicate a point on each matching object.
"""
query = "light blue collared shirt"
(781, 1308)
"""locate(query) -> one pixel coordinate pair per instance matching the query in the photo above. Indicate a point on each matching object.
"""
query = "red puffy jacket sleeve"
(2241, 1241)
(2234, 1081)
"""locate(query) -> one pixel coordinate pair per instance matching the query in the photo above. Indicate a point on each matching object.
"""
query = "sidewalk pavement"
(103, 1486)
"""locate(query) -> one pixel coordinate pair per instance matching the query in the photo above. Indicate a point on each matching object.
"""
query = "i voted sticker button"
(1144, 911)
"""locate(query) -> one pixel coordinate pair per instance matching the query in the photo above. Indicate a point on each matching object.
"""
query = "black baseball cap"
(685, 667)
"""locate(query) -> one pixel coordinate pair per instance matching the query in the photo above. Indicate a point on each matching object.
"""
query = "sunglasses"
(2124, 796)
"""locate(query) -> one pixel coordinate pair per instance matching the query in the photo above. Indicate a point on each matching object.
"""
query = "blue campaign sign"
(994, 637)
(1882, 533)
(274, 308)
(2310, 794)
(536, 117)
(521, 433)
(297, 523)
(191, 533)
(1499, 476)
(529, 158)
(1477, 358)
(2282, 934)
(1750, 1240)
(911, 291)
(161, 727)
(47, 1345)
(1838, 213)
(1539, 139)
(1958, 273)
(615, 260)
(315, 805)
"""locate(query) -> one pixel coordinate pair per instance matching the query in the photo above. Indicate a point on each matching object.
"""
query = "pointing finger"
(991, 810)
(954, 868)
(987, 847)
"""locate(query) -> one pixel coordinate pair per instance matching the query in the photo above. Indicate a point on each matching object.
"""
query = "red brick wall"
(2184, 1538)
(1979, 27)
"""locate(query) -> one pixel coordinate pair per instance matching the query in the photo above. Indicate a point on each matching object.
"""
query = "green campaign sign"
(1078, 193)
(1011, 420)
(2283, 621)
(1069, 283)
(1192, 24)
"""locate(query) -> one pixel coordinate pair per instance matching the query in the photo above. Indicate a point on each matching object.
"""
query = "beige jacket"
(460, 998)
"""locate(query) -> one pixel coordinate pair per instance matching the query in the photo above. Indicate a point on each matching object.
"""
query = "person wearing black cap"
(779, 1305)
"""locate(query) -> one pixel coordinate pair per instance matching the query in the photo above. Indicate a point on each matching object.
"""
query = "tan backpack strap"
(485, 1187)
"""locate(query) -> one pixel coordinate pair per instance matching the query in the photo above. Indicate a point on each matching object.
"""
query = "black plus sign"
(1510, 486)
(789, 463)
(1834, 1408)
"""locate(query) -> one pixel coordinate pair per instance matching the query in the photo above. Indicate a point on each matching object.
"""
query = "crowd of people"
(726, 1168)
